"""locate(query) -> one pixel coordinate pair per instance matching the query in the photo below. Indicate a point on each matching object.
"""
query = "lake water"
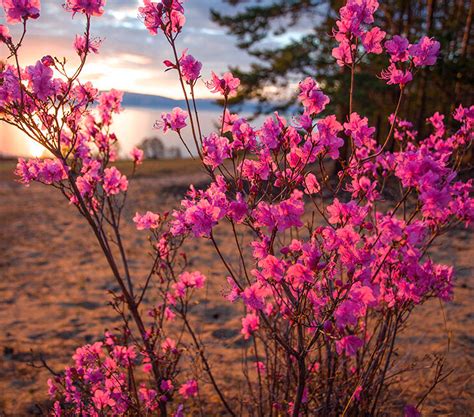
(131, 126)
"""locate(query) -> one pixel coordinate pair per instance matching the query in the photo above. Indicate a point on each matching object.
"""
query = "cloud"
(130, 58)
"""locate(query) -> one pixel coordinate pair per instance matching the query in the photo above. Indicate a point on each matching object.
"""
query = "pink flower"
(151, 13)
(272, 267)
(227, 85)
(311, 184)
(124, 354)
(254, 296)
(47, 171)
(298, 274)
(52, 388)
(175, 121)
(289, 211)
(109, 103)
(397, 47)
(148, 396)
(5, 34)
(238, 209)
(166, 385)
(189, 389)
(190, 68)
(148, 220)
(137, 156)
(177, 21)
(102, 399)
(40, 77)
(393, 75)
(84, 46)
(165, 15)
(188, 280)
(88, 7)
(349, 345)
(19, 10)
(260, 367)
(425, 52)
(215, 150)
(372, 40)
(192, 279)
(353, 15)
(48, 60)
(168, 345)
(311, 96)
(325, 139)
(114, 181)
(343, 53)
(250, 324)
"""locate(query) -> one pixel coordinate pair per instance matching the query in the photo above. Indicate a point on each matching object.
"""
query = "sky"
(130, 59)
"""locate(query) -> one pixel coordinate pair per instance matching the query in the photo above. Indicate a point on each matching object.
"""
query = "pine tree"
(282, 63)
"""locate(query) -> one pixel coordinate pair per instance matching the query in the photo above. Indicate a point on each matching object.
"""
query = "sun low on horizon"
(129, 59)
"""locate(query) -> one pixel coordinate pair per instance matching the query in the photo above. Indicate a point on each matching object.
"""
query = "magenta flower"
(114, 181)
(326, 139)
(215, 150)
(254, 296)
(343, 53)
(349, 345)
(166, 385)
(102, 399)
(146, 221)
(40, 77)
(19, 10)
(311, 184)
(298, 274)
(177, 21)
(397, 47)
(393, 75)
(425, 52)
(165, 15)
(190, 68)
(192, 279)
(88, 7)
(137, 156)
(227, 85)
(372, 40)
(311, 96)
(175, 121)
(250, 324)
(5, 34)
(83, 46)
(151, 14)
(189, 389)
(47, 171)
(148, 397)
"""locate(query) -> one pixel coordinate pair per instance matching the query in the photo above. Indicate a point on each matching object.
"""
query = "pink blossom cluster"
(404, 56)
(226, 86)
(85, 134)
(352, 28)
(17, 11)
(175, 121)
(98, 383)
(164, 15)
(47, 171)
(87, 7)
(188, 66)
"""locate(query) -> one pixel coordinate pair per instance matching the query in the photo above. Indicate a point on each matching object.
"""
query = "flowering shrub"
(335, 263)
